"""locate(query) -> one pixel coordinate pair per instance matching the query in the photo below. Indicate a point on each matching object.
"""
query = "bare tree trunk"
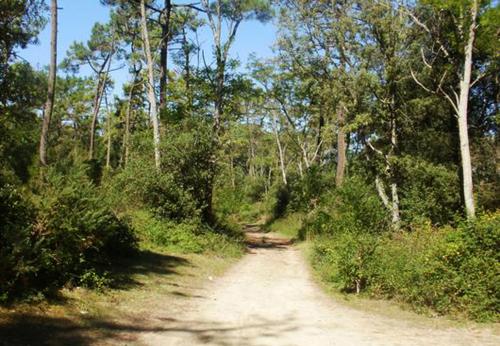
(280, 152)
(100, 89)
(49, 104)
(187, 69)
(462, 117)
(165, 33)
(108, 133)
(126, 136)
(151, 86)
(319, 138)
(396, 218)
(341, 147)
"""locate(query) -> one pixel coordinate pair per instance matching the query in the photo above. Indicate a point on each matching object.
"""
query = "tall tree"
(97, 53)
(49, 104)
(151, 84)
(456, 47)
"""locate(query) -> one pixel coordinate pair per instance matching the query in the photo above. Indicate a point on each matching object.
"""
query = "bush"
(344, 260)
(76, 229)
(354, 207)
(430, 191)
(185, 237)
(17, 247)
(450, 270)
(141, 185)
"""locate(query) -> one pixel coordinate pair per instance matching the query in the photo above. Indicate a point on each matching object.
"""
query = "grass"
(288, 226)
(154, 283)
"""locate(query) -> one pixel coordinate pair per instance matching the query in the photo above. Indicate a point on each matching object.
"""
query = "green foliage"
(185, 237)
(354, 207)
(77, 227)
(344, 258)
(67, 232)
(450, 270)
(431, 191)
(16, 244)
(289, 225)
(141, 185)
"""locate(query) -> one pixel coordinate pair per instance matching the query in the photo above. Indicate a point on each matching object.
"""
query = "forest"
(371, 135)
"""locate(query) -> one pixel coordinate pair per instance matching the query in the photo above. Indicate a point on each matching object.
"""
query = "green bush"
(430, 191)
(17, 246)
(185, 237)
(354, 207)
(140, 185)
(449, 270)
(344, 259)
(76, 229)
(68, 232)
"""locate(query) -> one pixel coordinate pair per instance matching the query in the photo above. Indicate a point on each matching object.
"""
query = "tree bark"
(101, 87)
(280, 152)
(126, 136)
(151, 86)
(341, 147)
(49, 104)
(108, 130)
(165, 33)
(462, 117)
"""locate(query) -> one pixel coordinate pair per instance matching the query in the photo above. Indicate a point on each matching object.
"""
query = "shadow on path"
(36, 328)
(31, 329)
(255, 237)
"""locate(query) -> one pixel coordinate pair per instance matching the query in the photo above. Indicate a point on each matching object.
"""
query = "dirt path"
(269, 299)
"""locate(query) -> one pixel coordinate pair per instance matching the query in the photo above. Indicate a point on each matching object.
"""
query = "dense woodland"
(375, 125)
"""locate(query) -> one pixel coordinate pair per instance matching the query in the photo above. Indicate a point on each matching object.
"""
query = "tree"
(458, 51)
(233, 13)
(97, 53)
(49, 104)
(151, 85)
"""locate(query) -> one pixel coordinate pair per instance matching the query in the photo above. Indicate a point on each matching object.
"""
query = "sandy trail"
(269, 298)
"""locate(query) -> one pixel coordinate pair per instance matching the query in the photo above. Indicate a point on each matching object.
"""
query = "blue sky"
(77, 17)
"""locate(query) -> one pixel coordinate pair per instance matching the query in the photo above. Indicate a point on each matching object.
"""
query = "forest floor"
(267, 298)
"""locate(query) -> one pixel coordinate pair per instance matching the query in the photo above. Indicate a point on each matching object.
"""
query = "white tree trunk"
(462, 117)
(280, 152)
(151, 85)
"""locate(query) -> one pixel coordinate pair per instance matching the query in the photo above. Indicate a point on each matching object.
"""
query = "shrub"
(345, 259)
(140, 185)
(430, 191)
(193, 237)
(17, 247)
(68, 232)
(450, 270)
(76, 229)
(354, 207)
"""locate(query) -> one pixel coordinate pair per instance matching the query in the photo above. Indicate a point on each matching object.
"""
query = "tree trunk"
(151, 86)
(187, 69)
(126, 136)
(108, 133)
(319, 138)
(396, 218)
(341, 147)
(49, 104)
(462, 117)
(165, 34)
(280, 152)
(100, 89)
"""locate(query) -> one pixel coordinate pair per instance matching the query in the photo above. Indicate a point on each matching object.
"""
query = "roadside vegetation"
(372, 133)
